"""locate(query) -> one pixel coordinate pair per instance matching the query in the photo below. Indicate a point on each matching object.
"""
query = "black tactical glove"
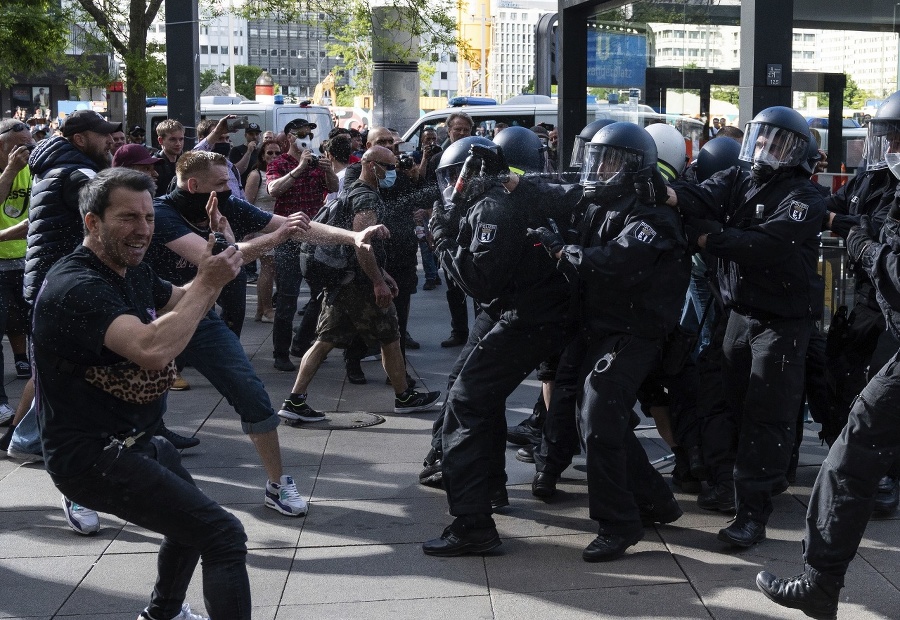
(493, 163)
(552, 241)
(444, 226)
(860, 238)
(696, 228)
(650, 186)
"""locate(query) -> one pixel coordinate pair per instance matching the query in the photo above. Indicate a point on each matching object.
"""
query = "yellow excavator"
(324, 92)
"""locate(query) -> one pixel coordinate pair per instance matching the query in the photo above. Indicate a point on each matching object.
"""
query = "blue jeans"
(429, 263)
(217, 354)
(26, 437)
(147, 485)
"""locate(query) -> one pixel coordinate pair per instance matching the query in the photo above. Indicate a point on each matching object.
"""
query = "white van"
(269, 117)
(531, 110)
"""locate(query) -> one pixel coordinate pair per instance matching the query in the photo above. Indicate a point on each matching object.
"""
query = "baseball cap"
(252, 127)
(297, 123)
(88, 120)
(133, 155)
(137, 130)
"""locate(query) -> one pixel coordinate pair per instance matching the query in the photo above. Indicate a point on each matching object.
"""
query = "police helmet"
(584, 138)
(716, 155)
(612, 158)
(883, 130)
(523, 150)
(453, 157)
(776, 139)
(670, 149)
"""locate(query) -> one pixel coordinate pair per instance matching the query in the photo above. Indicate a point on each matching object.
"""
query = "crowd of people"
(689, 287)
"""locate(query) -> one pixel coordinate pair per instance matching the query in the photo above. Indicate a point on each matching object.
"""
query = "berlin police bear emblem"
(798, 210)
(644, 232)
(487, 233)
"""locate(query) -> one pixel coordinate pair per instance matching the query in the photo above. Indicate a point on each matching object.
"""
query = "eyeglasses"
(385, 166)
(16, 128)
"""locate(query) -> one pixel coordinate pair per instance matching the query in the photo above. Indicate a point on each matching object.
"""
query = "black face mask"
(761, 173)
(222, 148)
(193, 206)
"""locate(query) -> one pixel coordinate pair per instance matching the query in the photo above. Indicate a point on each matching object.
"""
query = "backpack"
(329, 266)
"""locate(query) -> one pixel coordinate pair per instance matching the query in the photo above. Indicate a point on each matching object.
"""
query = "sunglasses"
(385, 166)
(16, 128)
(273, 152)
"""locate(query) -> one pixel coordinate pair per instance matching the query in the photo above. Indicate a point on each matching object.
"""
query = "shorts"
(353, 313)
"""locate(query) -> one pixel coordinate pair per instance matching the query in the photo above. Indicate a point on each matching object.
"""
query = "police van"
(531, 110)
(269, 117)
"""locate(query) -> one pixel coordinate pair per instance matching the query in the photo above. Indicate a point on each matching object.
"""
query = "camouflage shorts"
(353, 313)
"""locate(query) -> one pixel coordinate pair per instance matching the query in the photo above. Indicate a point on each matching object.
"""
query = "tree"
(207, 77)
(33, 36)
(348, 25)
(123, 26)
(245, 77)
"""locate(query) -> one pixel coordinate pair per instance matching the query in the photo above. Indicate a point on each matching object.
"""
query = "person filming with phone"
(215, 136)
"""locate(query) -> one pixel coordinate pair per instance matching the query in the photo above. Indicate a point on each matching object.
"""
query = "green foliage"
(33, 36)
(731, 94)
(245, 77)
(426, 73)
(207, 77)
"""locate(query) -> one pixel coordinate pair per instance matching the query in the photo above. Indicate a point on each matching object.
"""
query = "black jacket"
(633, 266)
(767, 265)
(59, 171)
(504, 271)
(881, 261)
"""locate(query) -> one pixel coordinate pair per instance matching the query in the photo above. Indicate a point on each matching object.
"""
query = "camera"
(221, 244)
(314, 160)
(406, 162)
(241, 122)
(433, 149)
(31, 146)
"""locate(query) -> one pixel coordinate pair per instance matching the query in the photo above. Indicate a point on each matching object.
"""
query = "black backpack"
(329, 266)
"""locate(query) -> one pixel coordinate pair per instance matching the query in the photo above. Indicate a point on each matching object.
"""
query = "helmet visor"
(883, 137)
(578, 152)
(446, 176)
(608, 165)
(773, 146)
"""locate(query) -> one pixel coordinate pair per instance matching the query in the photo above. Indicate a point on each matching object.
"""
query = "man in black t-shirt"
(106, 330)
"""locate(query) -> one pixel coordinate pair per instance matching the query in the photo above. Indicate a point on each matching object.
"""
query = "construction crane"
(324, 93)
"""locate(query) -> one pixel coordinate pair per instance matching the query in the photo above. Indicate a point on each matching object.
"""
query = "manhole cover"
(340, 420)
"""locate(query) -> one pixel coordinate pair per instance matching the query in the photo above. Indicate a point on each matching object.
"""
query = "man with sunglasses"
(364, 306)
(299, 182)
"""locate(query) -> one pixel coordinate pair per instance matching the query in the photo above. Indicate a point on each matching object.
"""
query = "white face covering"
(301, 144)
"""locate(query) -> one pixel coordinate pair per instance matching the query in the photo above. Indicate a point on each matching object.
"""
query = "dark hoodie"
(59, 171)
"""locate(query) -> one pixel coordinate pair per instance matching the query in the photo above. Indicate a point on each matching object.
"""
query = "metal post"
(182, 51)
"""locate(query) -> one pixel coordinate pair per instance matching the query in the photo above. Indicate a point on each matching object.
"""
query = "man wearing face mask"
(767, 244)
(184, 219)
(299, 182)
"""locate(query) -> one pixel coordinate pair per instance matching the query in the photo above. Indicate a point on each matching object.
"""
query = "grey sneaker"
(411, 401)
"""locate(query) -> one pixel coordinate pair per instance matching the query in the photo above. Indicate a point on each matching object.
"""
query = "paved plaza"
(357, 554)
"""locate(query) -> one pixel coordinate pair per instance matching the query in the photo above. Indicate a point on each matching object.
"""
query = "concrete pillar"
(766, 41)
(572, 112)
(395, 75)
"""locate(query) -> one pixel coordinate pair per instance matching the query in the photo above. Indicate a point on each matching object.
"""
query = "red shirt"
(306, 195)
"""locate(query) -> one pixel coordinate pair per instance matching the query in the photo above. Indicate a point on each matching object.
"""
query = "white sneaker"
(185, 614)
(83, 520)
(6, 414)
(285, 498)
(26, 457)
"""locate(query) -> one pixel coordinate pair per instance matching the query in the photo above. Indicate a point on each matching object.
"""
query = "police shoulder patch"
(798, 210)
(487, 233)
(644, 232)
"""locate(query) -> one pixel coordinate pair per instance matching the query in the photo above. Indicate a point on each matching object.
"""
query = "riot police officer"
(632, 268)
(518, 286)
(768, 249)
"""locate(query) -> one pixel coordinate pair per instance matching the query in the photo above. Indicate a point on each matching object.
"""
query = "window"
(273, 52)
(303, 73)
(204, 49)
(452, 57)
(313, 73)
(512, 17)
(254, 51)
(284, 52)
(273, 33)
(502, 15)
(443, 75)
(434, 57)
(263, 51)
(293, 53)
(292, 34)
(301, 53)
(293, 73)
(254, 32)
(237, 51)
(322, 54)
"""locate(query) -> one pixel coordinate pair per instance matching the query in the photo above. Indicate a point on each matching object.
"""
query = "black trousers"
(718, 422)
(843, 496)
(483, 324)
(560, 437)
(456, 301)
(620, 477)
(474, 433)
(765, 363)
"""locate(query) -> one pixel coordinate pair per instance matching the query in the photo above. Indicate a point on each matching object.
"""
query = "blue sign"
(616, 59)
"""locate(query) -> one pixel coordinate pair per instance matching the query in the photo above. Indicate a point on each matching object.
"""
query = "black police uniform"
(844, 493)
(768, 278)
(633, 267)
(531, 303)
(852, 338)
